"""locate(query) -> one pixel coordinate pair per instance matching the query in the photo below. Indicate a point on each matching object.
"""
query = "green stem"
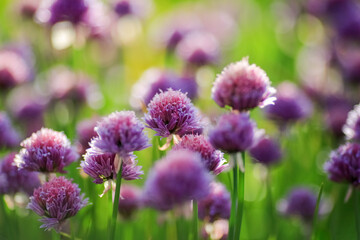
(240, 200)
(273, 226)
(116, 203)
(316, 213)
(234, 196)
(195, 220)
(357, 212)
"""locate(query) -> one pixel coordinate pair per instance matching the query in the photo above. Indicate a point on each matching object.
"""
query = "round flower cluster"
(130, 200)
(266, 151)
(9, 137)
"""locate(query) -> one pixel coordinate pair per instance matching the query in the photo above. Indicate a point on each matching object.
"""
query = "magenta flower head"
(120, 133)
(46, 151)
(266, 151)
(213, 159)
(172, 112)
(233, 133)
(291, 105)
(344, 164)
(177, 178)
(85, 133)
(9, 137)
(56, 201)
(351, 128)
(13, 180)
(243, 87)
(216, 205)
(130, 200)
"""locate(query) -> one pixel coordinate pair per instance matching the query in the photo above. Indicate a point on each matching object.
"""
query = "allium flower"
(213, 159)
(243, 87)
(120, 133)
(344, 164)
(46, 151)
(101, 166)
(233, 133)
(8, 137)
(266, 151)
(351, 128)
(139, 8)
(172, 112)
(85, 132)
(130, 200)
(177, 178)
(291, 105)
(13, 180)
(216, 205)
(56, 201)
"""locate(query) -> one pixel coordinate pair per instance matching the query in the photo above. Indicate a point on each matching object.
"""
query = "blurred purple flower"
(46, 151)
(266, 151)
(172, 112)
(85, 133)
(233, 133)
(243, 87)
(351, 128)
(13, 180)
(216, 205)
(177, 178)
(138, 8)
(9, 137)
(56, 201)
(213, 159)
(130, 200)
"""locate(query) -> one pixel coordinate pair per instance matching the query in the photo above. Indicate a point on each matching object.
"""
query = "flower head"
(266, 151)
(138, 8)
(85, 133)
(120, 133)
(234, 132)
(130, 200)
(212, 158)
(351, 128)
(46, 151)
(216, 205)
(172, 112)
(9, 136)
(243, 87)
(344, 164)
(13, 180)
(55, 201)
(177, 178)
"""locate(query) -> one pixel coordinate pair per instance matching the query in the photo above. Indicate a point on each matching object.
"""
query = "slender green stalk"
(316, 213)
(240, 200)
(195, 220)
(357, 212)
(270, 202)
(234, 196)
(116, 204)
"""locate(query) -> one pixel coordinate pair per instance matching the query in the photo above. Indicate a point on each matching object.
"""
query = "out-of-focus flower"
(13, 180)
(219, 229)
(130, 200)
(216, 205)
(85, 133)
(9, 137)
(213, 159)
(56, 201)
(177, 178)
(266, 151)
(233, 133)
(172, 112)
(46, 151)
(139, 8)
(27, 8)
(344, 164)
(120, 133)
(352, 127)
(243, 87)
(155, 80)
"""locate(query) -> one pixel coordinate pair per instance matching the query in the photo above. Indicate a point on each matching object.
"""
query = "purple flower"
(233, 133)
(291, 105)
(13, 180)
(243, 87)
(85, 133)
(101, 166)
(56, 201)
(130, 200)
(344, 164)
(46, 151)
(266, 151)
(9, 137)
(351, 128)
(216, 205)
(177, 178)
(172, 112)
(120, 133)
(213, 159)
(139, 8)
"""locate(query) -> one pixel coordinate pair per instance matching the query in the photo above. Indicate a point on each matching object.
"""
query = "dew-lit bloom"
(233, 133)
(9, 137)
(172, 112)
(85, 133)
(291, 104)
(120, 133)
(212, 158)
(243, 87)
(177, 178)
(266, 151)
(101, 166)
(344, 164)
(352, 127)
(216, 205)
(130, 200)
(56, 201)
(46, 151)
(13, 180)
(198, 48)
